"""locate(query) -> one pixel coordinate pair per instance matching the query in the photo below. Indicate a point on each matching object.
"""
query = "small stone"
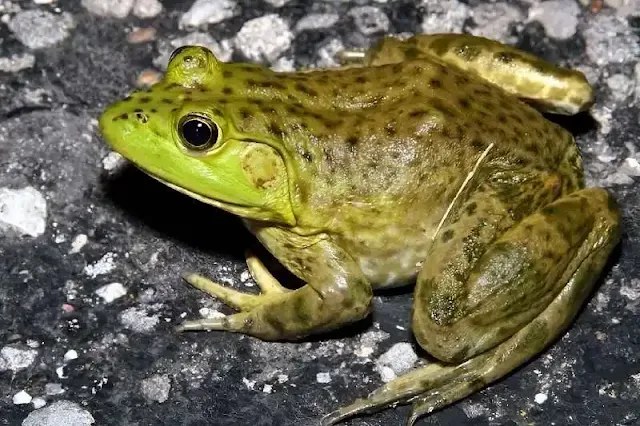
(609, 39)
(38, 402)
(208, 12)
(21, 398)
(141, 35)
(316, 21)
(558, 17)
(103, 266)
(494, 20)
(147, 8)
(23, 211)
(277, 3)
(70, 355)
(328, 53)
(119, 9)
(148, 78)
(267, 388)
(621, 86)
(38, 29)
(137, 319)
(53, 389)
(370, 20)
(78, 242)
(264, 38)
(323, 378)
(15, 63)
(156, 388)
(111, 292)
(541, 398)
(399, 358)
(444, 16)
(65, 413)
(16, 359)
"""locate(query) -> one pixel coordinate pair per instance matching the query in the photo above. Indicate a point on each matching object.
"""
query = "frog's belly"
(393, 269)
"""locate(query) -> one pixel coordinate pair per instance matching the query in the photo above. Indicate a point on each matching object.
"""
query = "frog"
(428, 161)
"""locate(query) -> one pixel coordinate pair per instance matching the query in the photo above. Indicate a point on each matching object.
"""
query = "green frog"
(424, 160)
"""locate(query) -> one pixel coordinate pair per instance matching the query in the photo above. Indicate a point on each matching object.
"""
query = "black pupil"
(197, 133)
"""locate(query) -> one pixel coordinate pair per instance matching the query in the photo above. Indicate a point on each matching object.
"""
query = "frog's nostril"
(141, 116)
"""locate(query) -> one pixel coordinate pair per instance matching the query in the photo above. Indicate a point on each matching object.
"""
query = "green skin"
(422, 161)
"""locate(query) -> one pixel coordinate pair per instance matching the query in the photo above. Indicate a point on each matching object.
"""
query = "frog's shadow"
(173, 215)
(577, 125)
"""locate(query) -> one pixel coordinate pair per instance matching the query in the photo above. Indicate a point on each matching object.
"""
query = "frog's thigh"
(592, 239)
(461, 312)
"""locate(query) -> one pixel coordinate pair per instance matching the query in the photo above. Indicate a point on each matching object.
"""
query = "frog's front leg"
(336, 291)
(484, 306)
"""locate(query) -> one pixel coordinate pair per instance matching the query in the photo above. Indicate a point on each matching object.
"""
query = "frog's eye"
(198, 133)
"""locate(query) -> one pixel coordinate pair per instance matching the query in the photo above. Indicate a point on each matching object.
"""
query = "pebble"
(15, 63)
(444, 16)
(316, 21)
(558, 17)
(59, 413)
(370, 20)
(398, 359)
(119, 9)
(137, 319)
(141, 35)
(147, 8)
(111, 292)
(156, 388)
(264, 38)
(38, 29)
(21, 398)
(23, 211)
(208, 12)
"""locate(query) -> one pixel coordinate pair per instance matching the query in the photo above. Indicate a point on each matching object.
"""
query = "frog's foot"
(271, 289)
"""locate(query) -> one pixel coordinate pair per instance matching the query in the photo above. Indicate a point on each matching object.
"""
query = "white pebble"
(147, 8)
(17, 62)
(109, 8)
(78, 242)
(315, 21)
(22, 397)
(103, 266)
(277, 3)
(38, 29)
(156, 388)
(399, 358)
(541, 398)
(264, 38)
(111, 292)
(38, 402)
(23, 210)
(112, 161)
(208, 12)
(370, 20)
(16, 359)
(70, 355)
(444, 16)
(558, 17)
(60, 413)
(323, 378)
(267, 389)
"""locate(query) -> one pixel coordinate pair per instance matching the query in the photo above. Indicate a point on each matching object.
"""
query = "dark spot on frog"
(468, 53)
(305, 89)
(411, 52)
(227, 91)
(167, 101)
(471, 208)
(142, 117)
(504, 57)
(461, 80)
(361, 79)
(397, 68)
(352, 141)
(502, 117)
(255, 101)
(174, 109)
(144, 100)
(275, 129)
(217, 111)
(245, 113)
(124, 116)
(127, 99)
(443, 108)
(153, 110)
(268, 110)
(435, 83)
(464, 103)
(306, 155)
(390, 128)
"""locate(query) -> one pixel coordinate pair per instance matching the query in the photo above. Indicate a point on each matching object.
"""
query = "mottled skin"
(421, 163)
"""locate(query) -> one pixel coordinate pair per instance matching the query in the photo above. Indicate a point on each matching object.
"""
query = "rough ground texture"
(90, 250)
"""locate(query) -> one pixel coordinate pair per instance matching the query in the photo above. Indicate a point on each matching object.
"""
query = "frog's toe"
(234, 298)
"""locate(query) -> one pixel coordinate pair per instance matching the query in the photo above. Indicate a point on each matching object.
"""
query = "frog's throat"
(237, 209)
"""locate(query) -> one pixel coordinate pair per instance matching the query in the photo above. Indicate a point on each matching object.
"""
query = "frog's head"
(180, 133)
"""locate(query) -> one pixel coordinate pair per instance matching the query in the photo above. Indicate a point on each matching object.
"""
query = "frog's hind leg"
(483, 306)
